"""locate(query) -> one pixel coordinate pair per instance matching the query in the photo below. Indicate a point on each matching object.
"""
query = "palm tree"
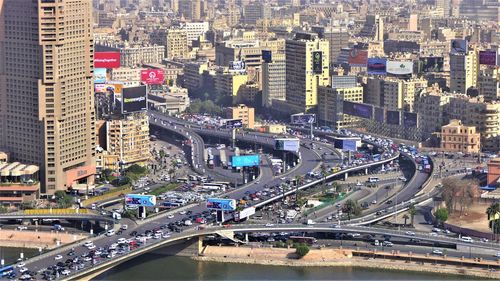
(405, 217)
(412, 211)
(493, 213)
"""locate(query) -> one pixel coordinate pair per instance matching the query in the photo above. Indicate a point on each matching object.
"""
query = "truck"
(223, 158)
(116, 216)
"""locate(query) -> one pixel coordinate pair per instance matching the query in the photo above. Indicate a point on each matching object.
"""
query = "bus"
(214, 186)
(6, 271)
(184, 180)
(170, 205)
(303, 239)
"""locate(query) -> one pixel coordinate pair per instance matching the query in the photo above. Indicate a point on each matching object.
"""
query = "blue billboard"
(410, 119)
(267, 56)
(221, 204)
(245, 161)
(140, 200)
(393, 117)
(379, 114)
(358, 109)
(377, 66)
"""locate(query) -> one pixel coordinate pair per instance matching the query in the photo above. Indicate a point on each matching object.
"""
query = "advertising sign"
(245, 161)
(106, 60)
(358, 109)
(287, 144)
(234, 123)
(379, 114)
(99, 75)
(358, 57)
(376, 66)
(302, 119)
(458, 46)
(431, 64)
(267, 56)
(134, 99)
(245, 213)
(221, 204)
(392, 117)
(488, 57)
(140, 200)
(317, 62)
(153, 76)
(346, 144)
(400, 67)
(109, 87)
(410, 119)
(237, 65)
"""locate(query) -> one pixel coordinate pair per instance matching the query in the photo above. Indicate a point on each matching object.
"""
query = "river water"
(160, 267)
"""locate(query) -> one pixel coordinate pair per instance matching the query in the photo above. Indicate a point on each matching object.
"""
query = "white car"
(122, 240)
(467, 239)
(58, 257)
(497, 255)
(91, 247)
(87, 259)
(182, 212)
(170, 216)
(23, 269)
(410, 233)
(269, 225)
(434, 234)
(88, 243)
(65, 272)
(166, 235)
(21, 264)
(437, 252)
(22, 227)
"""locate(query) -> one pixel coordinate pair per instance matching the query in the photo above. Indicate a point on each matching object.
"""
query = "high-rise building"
(47, 113)
(274, 80)
(177, 44)
(480, 10)
(190, 9)
(255, 11)
(307, 68)
(463, 71)
(338, 37)
(330, 105)
(443, 6)
(195, 30)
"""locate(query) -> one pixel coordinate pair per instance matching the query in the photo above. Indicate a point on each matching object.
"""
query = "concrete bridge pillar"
(200, 244)
(366, 171)
(346, 176)
(246, 237)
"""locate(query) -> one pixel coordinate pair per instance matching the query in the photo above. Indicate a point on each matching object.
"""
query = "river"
(160, 267)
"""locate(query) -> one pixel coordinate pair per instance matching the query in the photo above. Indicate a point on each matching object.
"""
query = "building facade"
(243, 112)
(46, 89)
(456, 137)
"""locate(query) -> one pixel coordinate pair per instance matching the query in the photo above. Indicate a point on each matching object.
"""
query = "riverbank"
(37, 239)
(330, 258)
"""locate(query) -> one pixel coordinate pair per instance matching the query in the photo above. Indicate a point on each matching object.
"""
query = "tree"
(412, 211)
(405, 217)
(351, 207)
(301, 250)
(171, 173)
(63, 199)
(493, 213)
(441, 215)
(136, 169)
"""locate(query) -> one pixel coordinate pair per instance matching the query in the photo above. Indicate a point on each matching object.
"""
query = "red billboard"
(107, 60)
(153, 76)
(358, 57)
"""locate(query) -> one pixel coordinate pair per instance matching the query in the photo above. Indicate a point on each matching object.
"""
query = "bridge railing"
(68, 211)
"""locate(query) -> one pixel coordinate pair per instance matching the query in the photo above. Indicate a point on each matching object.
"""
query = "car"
(170, 216)
(23, 269)
(435, 229)
(72, 253)
(410, 233)
(387, 244)
(437, 252)
(434, 234)
(91, 247)
(58, 257)
(21, 264)
(466, 239)
(22, 227)
(182, 212)
(374, 202)
(88, 243)
(497, 255)
(65, 272)
(87, 259)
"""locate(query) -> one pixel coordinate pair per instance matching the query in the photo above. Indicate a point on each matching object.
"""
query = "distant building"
(373, 28)
(463, 71)
(255, 11)
(493, 178)
(330, 105)
(176, 44)
(135, 55)
(243, 112)
(171, 100)
(273, 80)
(19, 183)
(455, 137)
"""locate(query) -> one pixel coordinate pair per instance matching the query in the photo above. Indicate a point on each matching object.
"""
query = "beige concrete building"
(128, 139)
(46, 89)
(243, 112)
(230, 83)
(463, 71)
(302, 81)
(193, 75)
(488, 83)
(135, 55)
(330, 103)
(400, 94)
(273, 80)
(177, 44)
(190, 9)
(456, 137)
(429, 105)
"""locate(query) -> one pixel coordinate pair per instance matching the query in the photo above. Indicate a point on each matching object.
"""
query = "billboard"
(410, 119)
(346, 144)
(106, 59)
(245, 161)
(376, 66)
(392, 117)
(109, 87)
(400, 67)
(234, 123)
(153, 76)
(287, 144)
(488, 57)
(221, 204)
(379, 114)
(99, 75)
(140, 200)
(267, 56)
(245, 213)
(357, 57)
(134, 99)
(302, 119)
(317, 62)
(358, 109)
(237, 65)
(431, 64)
(458, 46)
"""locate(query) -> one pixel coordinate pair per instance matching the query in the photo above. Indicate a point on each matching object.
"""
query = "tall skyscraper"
(307, 67)
(46, 89)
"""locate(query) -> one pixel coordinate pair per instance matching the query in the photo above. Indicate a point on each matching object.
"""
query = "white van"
(467, 239)
(188, 223)
(124, 227)
(373, 179)
(110, 232)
